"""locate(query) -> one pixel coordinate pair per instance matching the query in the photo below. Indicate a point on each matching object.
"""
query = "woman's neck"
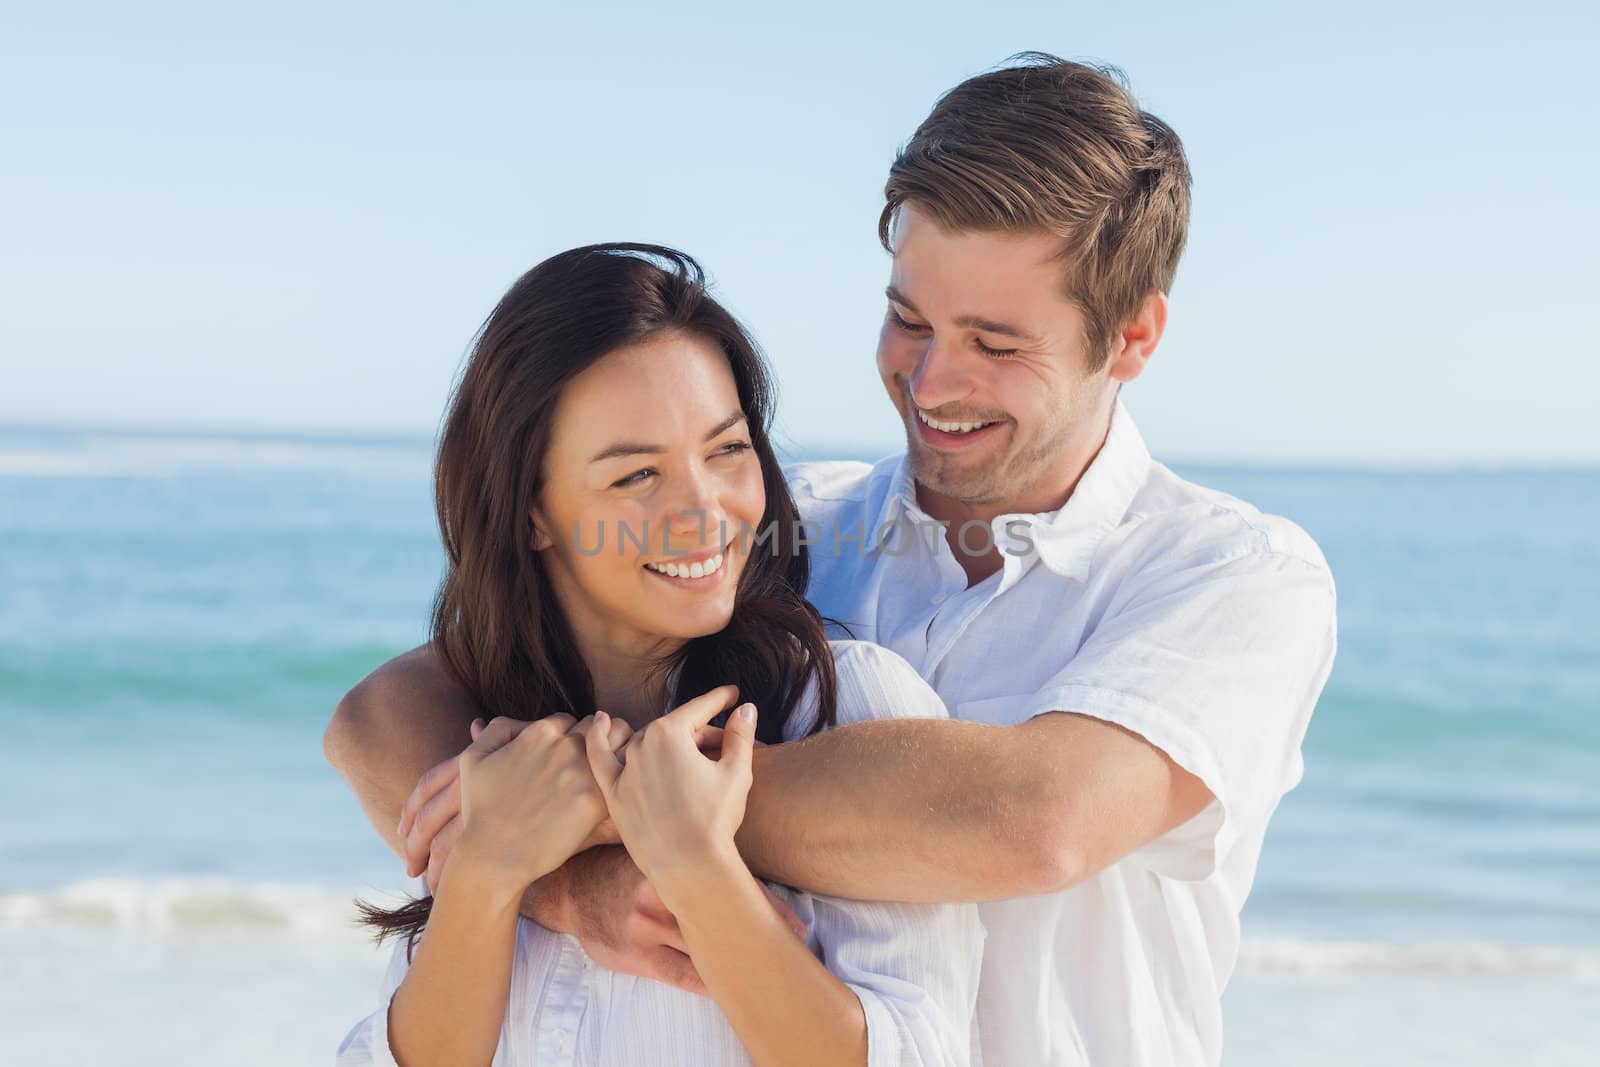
(628, 682)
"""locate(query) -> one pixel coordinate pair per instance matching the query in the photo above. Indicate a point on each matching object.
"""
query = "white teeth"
(949, 427)
(697, 569)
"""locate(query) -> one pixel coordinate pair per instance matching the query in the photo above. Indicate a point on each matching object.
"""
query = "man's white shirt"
(1177, 612)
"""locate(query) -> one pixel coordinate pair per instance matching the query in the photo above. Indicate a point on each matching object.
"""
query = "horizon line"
(795, 450)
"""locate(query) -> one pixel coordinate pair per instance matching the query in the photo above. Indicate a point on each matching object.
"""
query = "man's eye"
(997, 353)
(908, 327)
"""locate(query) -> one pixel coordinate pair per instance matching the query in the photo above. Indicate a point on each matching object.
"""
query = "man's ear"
(1136, 342)
(538, 538)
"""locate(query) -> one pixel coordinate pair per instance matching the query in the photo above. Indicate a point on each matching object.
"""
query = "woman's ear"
(538, 538)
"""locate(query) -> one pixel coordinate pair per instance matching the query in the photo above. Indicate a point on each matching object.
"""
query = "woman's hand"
(528, 798)
(676, 808)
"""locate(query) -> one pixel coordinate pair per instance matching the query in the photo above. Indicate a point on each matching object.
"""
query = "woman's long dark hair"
(496, 623)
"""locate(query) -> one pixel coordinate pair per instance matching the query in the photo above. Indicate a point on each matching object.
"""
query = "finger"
(583, 725)
(500, 732)
(563, 720)
(445, 805)
(433, 779)
(703, 708)
(443, 844)
(620, 734)
(604, 833)
(739, 737)
(602, 757)
(476, 728)
(708, 739)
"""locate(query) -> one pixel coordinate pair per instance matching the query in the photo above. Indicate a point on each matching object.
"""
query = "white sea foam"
(1346, 957)
(145, 455)
(187, 904)
(183, 905)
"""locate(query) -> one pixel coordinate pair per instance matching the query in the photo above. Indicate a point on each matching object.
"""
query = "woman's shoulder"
(873, 683)
(869, 661)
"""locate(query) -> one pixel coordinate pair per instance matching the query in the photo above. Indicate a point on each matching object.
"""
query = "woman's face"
(650, 471)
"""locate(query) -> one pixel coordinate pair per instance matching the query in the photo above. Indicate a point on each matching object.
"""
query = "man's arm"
(409, 716)
(915, 810)
(1214, 662)
(938, 810)
(402, 719)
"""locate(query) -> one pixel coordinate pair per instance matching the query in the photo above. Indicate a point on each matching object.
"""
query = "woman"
(619, 540)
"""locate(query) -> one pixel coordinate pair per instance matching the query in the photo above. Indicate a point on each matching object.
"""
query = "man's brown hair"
(1046, 144)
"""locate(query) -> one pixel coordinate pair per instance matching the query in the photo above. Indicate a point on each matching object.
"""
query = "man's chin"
(952, 477)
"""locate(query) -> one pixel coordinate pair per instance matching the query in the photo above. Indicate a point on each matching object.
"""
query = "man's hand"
(430, 819)
(620, 921)
(599, 896)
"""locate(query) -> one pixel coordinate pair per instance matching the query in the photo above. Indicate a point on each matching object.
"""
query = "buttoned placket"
(565, 997)
(951, 620)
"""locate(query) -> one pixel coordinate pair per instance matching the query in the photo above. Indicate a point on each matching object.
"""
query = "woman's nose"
(695, 515)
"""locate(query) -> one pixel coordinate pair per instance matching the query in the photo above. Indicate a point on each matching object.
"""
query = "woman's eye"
(633, 479)
(733, 448)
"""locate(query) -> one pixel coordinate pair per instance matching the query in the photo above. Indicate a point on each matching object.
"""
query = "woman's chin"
(709, 619)
(685, 621)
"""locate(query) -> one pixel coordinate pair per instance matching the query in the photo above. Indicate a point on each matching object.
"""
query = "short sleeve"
(915, 970)
(914, 967)
(873, 683)
(1218, 664)
(367, 1043)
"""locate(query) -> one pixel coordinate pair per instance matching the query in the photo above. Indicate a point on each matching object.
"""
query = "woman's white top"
(914, 966)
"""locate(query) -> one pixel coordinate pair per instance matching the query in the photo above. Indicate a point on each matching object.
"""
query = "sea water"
(179, 614)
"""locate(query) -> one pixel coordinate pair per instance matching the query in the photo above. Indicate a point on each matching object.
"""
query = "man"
(1130, 660)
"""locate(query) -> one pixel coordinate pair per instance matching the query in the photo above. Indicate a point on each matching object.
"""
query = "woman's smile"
(695, 572)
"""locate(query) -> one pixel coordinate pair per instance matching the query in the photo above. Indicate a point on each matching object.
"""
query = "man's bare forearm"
(929, 810)
(922, 810)
(402, 719)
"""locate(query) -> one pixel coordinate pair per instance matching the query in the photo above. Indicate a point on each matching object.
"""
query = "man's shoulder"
(1185, 521)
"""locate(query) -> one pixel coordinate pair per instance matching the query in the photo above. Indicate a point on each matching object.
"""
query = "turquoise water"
(179, 614)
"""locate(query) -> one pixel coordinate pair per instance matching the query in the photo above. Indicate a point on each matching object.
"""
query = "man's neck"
(1049, 493)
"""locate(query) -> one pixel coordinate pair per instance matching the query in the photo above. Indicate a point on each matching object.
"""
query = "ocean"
(179, 613)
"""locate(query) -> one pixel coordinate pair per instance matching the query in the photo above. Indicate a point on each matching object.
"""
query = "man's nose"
(940, 376)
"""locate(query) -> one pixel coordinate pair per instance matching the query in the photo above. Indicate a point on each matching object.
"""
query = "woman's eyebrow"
(633, 448)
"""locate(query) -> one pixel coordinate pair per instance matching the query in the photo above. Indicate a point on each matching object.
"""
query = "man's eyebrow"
(969, 322)
(632, 448)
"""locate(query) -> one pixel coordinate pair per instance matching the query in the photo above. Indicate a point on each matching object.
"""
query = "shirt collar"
(1065, 539)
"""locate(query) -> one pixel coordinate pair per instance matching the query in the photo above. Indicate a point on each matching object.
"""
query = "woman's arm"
(451, 1006)
(463, 931)
(677, 810)
(785, 1005)
(912, 968)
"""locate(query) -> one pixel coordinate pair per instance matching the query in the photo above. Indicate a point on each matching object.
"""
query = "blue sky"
(295, 218)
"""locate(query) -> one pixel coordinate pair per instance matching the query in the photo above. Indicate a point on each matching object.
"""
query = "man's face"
(978, 332)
